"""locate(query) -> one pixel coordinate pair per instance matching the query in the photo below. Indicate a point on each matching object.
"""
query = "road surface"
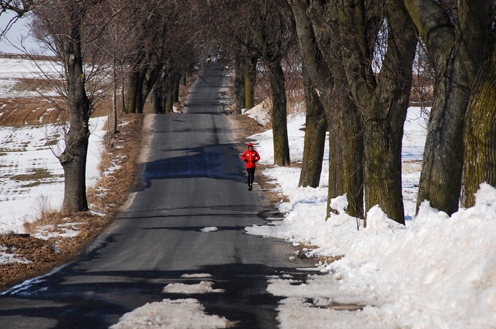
(192, 180)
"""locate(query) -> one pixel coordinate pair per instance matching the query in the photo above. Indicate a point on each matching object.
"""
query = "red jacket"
(250, 157)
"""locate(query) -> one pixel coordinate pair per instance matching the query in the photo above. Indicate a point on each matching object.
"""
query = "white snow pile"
(260, 112)
(171, 314)
(435, 272)
(209, 229)
(203, 287)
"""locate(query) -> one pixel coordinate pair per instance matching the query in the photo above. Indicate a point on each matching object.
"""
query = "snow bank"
(435, 272)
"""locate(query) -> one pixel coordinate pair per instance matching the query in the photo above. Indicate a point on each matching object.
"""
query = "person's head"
(250, 145)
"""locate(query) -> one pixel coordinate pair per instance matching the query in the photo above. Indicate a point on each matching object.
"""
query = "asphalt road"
(192, 179)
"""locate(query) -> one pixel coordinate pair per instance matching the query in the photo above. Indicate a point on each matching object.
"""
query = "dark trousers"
(251, 175)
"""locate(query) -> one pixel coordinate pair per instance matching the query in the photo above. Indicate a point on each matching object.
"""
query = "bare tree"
(382, 97)
(270, 27)
(66, 24)
(340, 43)
(115, 46)
(319, 53)
(315, 135)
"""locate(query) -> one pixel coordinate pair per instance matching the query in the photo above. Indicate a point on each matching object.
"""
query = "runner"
(250, 157)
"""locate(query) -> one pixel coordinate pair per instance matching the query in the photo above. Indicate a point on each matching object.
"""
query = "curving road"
(192, 179)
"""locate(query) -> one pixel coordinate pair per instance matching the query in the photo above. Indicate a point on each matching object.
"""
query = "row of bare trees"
(356, 60)
(142, 47)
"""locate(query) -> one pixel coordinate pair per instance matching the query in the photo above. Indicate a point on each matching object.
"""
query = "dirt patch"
(20, 111)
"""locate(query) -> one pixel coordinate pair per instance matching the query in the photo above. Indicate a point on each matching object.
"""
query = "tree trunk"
(440, 179)
(315, 135)
(133, 91)
(383, 170)
(177, 81)
(158, 99)
(279, 120)
(451, 49)
(351, 153)
(250, 80)
(239, 84)
(149, 77)
(112, 120)
(480, 134)
(169, 101)
(343, 123)
(73, 159)
(382, 98)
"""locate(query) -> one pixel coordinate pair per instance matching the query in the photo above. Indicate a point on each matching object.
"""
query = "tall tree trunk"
(451, 49)
(112, 112)
(343, 123)
(158, 98)
(73, 159)
(351, 151)
(239, 84)
(382, 100)
(169, 102)
(315, 135)
(148, 77)
(250, 80)
(480, 134)
(279, 120)
(177, 81)
(440, 179)
(133, 91)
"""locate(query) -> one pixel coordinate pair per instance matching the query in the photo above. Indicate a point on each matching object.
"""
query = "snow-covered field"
(11, 70)
(31, 177)
(435, 272)
(27, 152)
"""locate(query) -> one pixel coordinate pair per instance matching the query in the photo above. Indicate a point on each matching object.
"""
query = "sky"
(437, 271)
(11, 42)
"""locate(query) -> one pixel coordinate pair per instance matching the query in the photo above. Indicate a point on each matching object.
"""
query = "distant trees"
(225, 27)
(257, 30)
(90, 36)
(270, 26)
